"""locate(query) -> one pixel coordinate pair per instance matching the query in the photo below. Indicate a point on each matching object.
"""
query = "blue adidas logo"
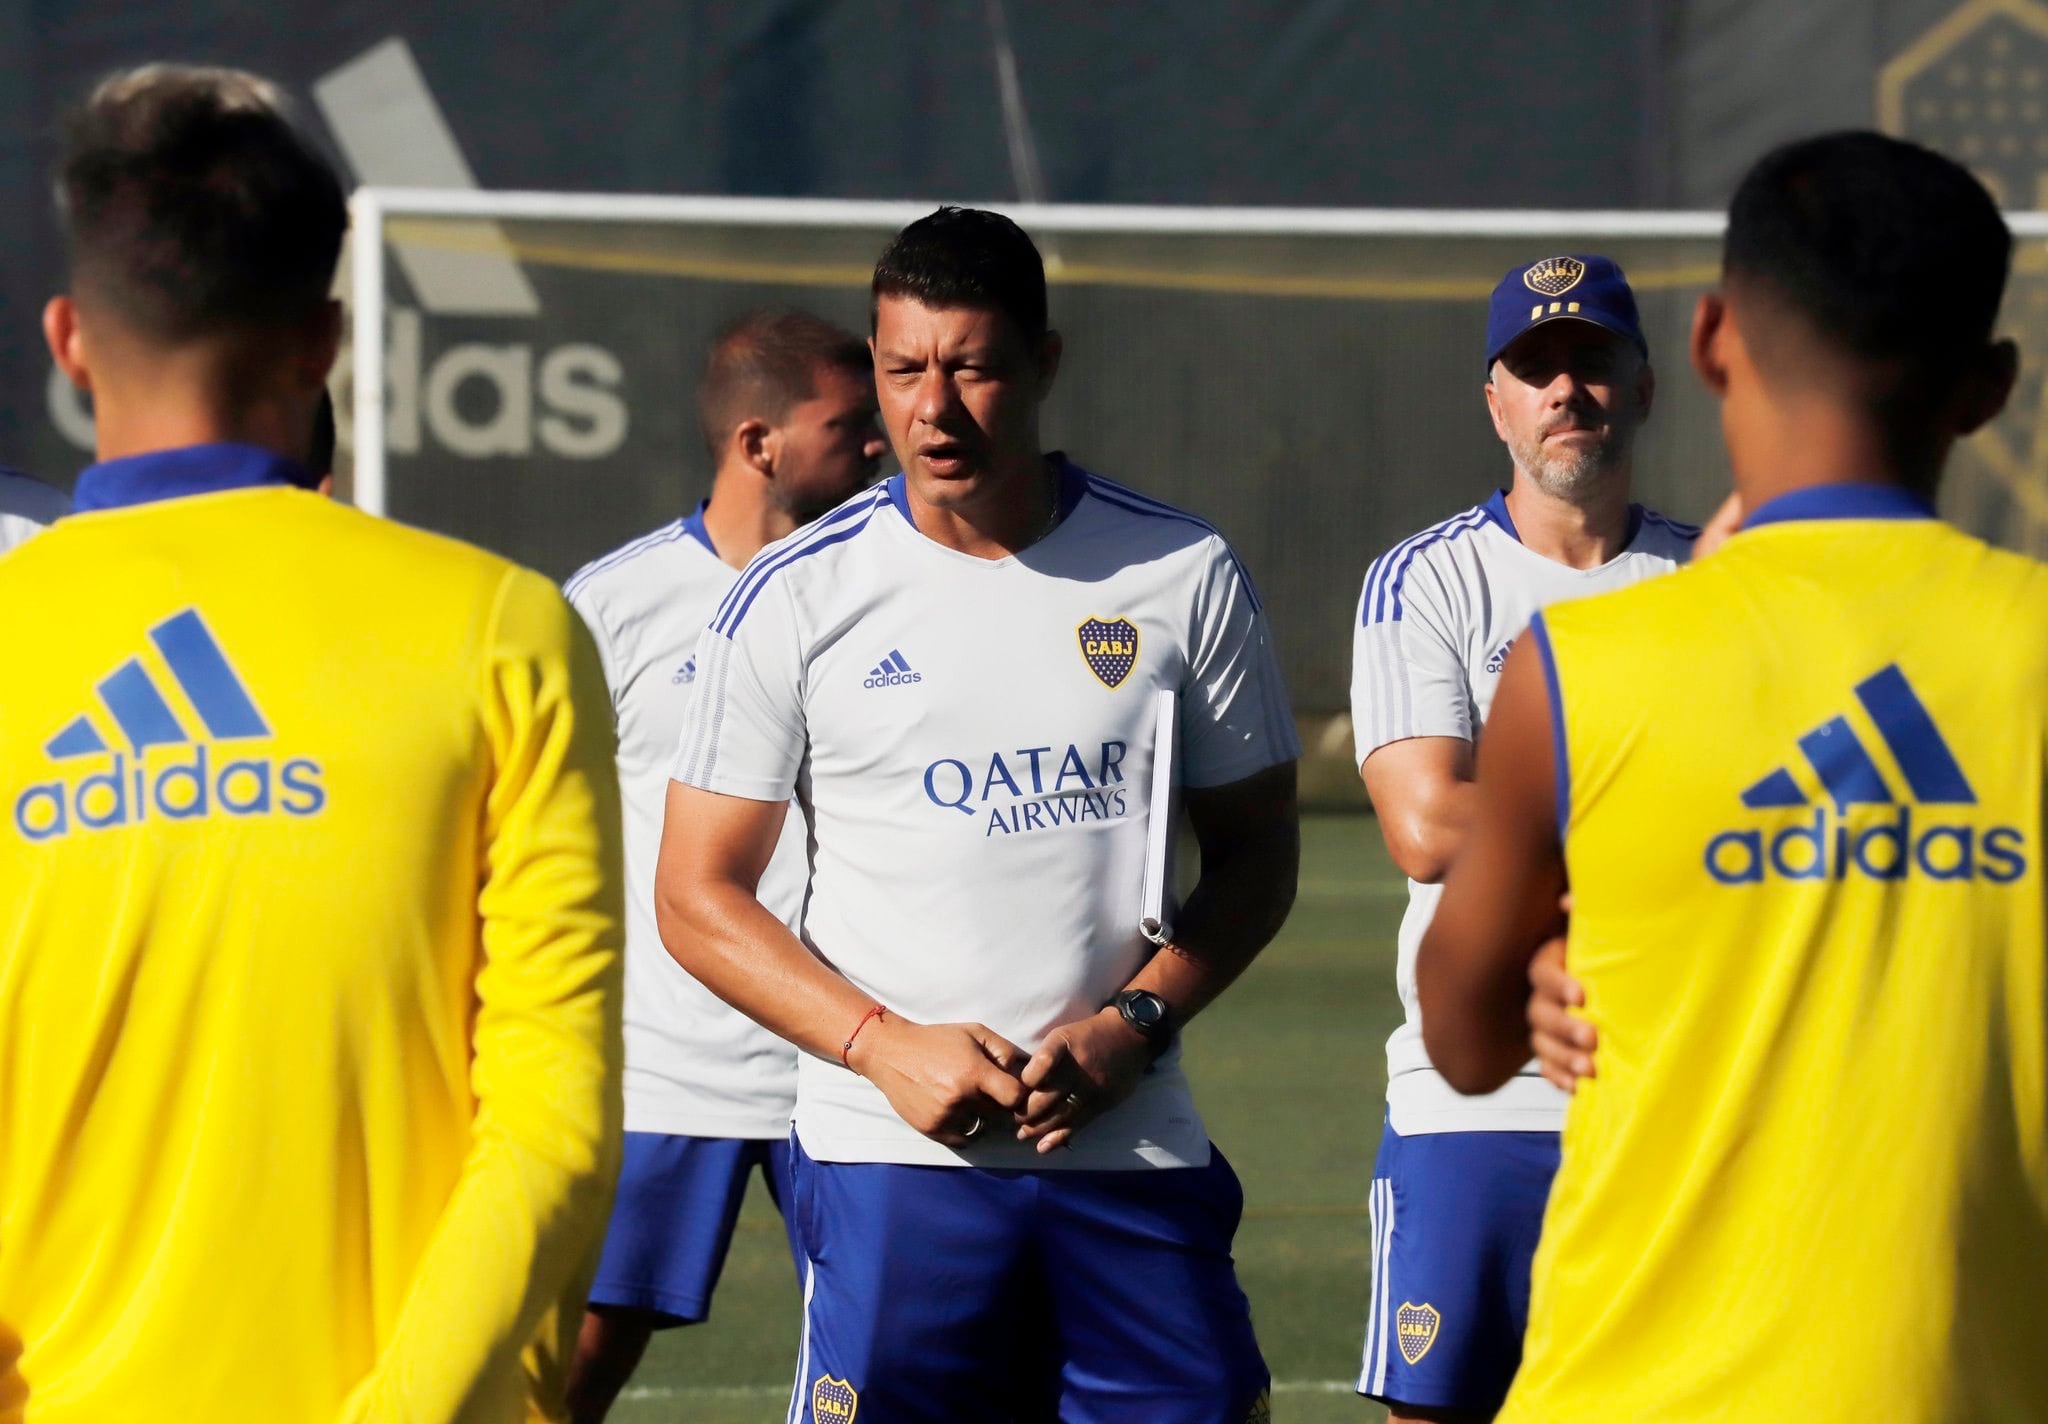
(178, 785)
(686, 673)
(892, 671)
(1824, 847)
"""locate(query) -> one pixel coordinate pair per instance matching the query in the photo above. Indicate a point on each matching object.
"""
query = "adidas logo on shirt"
(686, 673)
(169, 770)
(892, 671)
(1824, 847)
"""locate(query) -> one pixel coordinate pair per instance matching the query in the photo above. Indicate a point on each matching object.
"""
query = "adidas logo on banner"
(181, 785)
(892, 671)
(1823, 847)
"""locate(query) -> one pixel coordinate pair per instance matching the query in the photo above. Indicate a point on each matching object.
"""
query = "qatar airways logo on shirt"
(196, 776)
(1898, 847)
(1032, 788)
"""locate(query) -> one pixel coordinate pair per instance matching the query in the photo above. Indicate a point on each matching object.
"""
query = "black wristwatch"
(1149, 1014)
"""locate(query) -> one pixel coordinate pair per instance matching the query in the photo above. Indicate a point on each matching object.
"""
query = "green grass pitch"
(1290, 1072)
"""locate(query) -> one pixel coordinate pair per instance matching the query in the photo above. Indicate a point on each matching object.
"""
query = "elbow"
(1471, 1055)
(675, 918)
(1418, 849)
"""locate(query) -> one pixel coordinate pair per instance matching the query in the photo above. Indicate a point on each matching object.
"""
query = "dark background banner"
(542, 410)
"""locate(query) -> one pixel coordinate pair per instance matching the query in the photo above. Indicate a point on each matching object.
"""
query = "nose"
(936, 396)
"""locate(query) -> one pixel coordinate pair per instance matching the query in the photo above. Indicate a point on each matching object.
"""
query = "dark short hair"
(766, 362)
(192, 206)
(1890, 251)
(965, 257)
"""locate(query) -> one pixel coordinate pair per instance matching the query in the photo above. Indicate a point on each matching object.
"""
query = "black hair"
(965, 257)
(1891, 252)
(192, 206)
(766, 362)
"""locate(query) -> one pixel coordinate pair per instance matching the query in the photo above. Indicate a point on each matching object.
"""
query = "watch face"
(1148, 1009)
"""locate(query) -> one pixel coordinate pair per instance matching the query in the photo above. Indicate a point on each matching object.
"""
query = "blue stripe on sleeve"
(1561, 768)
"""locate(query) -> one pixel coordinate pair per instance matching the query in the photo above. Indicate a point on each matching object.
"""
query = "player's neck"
(142, 427)
(1014, 513)
(1779, 449)
(741, 519)
(1581, 533)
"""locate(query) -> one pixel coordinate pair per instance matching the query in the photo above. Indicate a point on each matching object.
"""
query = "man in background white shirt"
(1460, 1183)
(27, 505)
(787, 407)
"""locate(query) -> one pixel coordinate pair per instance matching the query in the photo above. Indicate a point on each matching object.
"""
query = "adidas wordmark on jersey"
(1437, 616)
(978, 834)
(695, 1066)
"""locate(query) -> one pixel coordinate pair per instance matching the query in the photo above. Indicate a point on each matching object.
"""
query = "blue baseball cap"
(1582, 288)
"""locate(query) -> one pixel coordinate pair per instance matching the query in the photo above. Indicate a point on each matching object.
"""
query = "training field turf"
(1289, 1072)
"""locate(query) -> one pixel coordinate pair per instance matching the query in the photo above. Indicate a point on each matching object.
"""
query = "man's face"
(1568, 398)
(960, 389)
(829, 444)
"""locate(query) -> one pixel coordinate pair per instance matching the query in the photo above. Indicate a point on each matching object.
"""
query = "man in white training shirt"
(787, 408)
(27, 506)
(1460, 1184)
(1008, 1205)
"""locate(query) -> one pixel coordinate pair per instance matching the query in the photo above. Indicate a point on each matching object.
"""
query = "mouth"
(945, 457)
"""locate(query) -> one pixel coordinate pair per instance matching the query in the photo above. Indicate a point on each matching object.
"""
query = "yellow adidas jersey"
(1802, 792)
(309, 959)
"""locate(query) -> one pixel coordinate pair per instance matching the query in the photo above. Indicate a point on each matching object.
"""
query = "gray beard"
(1569, 474)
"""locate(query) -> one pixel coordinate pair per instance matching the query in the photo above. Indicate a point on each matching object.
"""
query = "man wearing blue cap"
(1460, 1183)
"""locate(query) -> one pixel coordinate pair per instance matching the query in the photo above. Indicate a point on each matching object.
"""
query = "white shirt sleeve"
(745, 734)
(1235, 719)
(1408, 677)
(588, 609)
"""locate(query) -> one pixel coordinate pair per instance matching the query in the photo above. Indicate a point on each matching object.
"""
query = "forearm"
(526, 1212)
(741, 952)
(1232, 913)
(1476, 1032)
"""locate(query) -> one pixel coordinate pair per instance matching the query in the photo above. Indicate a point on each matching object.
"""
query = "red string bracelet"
(846, 1048)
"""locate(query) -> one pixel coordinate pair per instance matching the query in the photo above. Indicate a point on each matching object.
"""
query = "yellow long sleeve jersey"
(309, 958)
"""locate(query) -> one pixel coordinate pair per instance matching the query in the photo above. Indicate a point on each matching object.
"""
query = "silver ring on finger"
(1073, 1100)
(973, 1127)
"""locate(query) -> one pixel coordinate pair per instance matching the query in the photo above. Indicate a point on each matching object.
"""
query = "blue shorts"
(1455, 1217)
(948, 1293)
(672, 1221)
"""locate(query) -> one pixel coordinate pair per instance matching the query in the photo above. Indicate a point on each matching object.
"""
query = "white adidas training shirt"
(695, 1067)
(27, 506)
(1435, 621)
(971, 744)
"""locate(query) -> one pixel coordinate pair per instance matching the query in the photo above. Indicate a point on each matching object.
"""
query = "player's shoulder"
(25, 497)
(818, 551)
(655, 567)
(1660, 536)
(1391, 578)
(1143, 526)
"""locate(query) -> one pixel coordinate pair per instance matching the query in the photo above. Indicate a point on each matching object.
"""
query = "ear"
(326, 486)
(1646, 390)
(757, 442)
(1500, 426)
(1051, 347)
(1986, 389)
(1709, 329)
(67, 347)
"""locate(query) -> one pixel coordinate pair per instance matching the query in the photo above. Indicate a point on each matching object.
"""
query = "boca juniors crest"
(1415, 1330)
(1110, 648)
(833, 1401)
